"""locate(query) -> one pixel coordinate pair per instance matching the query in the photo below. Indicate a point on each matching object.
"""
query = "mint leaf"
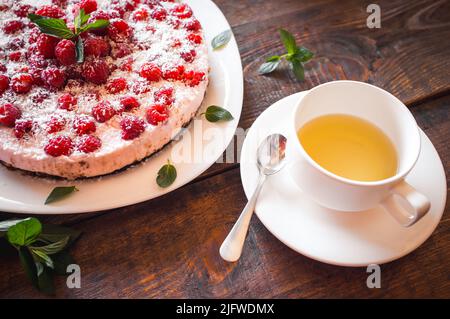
(288, 41)
(216, 113)
(24, 233)
(42, 257)
(303, 54)
(97, 24)
(52, 248)
(59, 193)
(297, 68)
(221, 39)
(61, 261)
(273, 58)
(79, 50)
(268, 67)
(6, 224)
(54, 233)
(166, 175)
(45, 281)
(29, 265)
(80, 20)
(51, 26)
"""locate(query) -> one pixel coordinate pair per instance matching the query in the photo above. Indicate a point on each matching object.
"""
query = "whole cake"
(116, 85)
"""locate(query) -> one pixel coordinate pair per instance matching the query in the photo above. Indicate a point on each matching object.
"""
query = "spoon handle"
(231, 248)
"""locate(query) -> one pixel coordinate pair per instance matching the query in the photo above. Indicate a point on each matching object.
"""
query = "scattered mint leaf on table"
(24, 233)
(221, 39)
(166, 175)
(59, 193)
(295, 56)
(41, 248)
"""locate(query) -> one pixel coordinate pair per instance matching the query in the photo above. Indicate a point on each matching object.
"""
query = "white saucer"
(338, 238)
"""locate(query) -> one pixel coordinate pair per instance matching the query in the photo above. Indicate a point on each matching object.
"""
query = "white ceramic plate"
(339, 238)
(26, 194)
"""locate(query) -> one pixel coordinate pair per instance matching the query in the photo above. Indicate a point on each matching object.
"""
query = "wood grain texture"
(168, 247)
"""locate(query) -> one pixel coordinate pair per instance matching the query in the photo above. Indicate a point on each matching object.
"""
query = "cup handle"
(419, 204)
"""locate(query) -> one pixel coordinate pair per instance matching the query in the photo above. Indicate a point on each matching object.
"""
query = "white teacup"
(388, 113)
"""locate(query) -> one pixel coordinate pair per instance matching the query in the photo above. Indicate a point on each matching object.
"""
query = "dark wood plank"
(168, 247)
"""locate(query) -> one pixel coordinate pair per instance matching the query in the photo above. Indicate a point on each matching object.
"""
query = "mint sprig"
(59, 29)
(42, 249)
(296, 56)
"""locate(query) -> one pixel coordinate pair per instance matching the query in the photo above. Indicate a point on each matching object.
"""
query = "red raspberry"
(88, 144)
(194, 38)
(159, 14)
(157, 113)
(140, 87)
(151, 72)
(2, 67)
(182, 11)
(88, 6)
(56, 124)
(3, 7)
(103, 111)
(132, 4)
(95, 71)
(22, 127)
(121, 50)
(117, 85)
(96, 46)
(67, 102)
(164, 96)
(15, 44)
(54, 77)
(22, 83)
(128, 103)
(176, 43)
(132, 127)
(37, 61)
(4, 83)
(46, 44)
(119, 31)
(58, 146)
(51, 11)
(127, 65)
(175, 73)
(33, 35)
(193, 25)
(84, 125)
(192, 78)
(99, 15)
(140, 15)
(39, 96)
(9, 114)
(12, 26)
(188, 56)
(174, 22)
(23, 10)
(65, 52)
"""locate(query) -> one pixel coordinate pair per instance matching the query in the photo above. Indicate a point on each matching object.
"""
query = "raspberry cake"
(142, 78)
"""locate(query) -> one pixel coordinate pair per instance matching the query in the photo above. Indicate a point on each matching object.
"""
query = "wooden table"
(168, 247)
